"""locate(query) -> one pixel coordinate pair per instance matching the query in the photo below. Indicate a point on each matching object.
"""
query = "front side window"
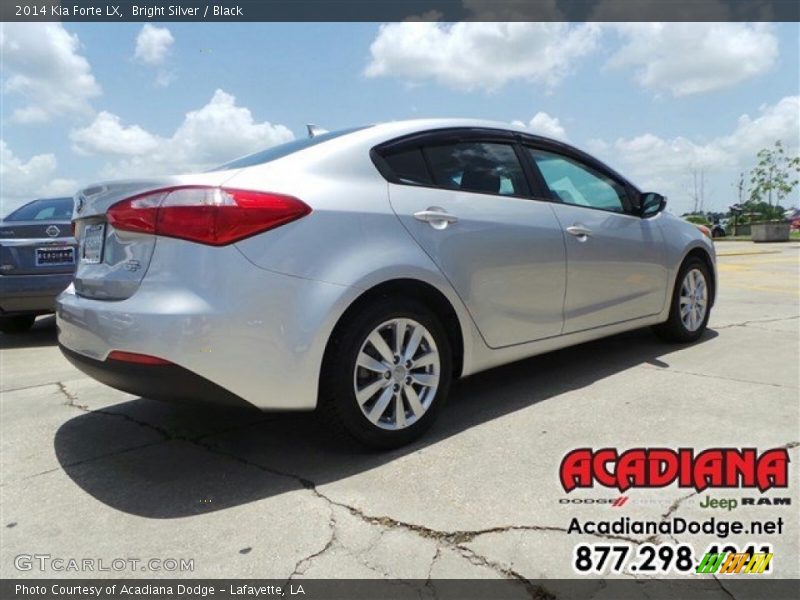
(483, 167)
(574, 183)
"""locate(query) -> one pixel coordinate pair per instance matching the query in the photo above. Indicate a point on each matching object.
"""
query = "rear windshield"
(54, 209)
(282, 150)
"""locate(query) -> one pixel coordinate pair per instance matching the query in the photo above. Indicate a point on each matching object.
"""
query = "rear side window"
(482, 167)
(57, 209)
(282, 150)
(409, 167)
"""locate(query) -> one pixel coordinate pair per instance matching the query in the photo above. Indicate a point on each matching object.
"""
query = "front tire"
(387, 373)
(17, 323)
(691, 304)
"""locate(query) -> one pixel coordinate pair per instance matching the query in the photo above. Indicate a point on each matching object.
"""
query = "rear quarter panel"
(352, 238)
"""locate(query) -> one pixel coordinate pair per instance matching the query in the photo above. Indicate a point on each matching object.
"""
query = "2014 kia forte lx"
(358, 272)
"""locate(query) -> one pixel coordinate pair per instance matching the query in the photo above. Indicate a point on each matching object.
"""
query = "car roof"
(396, 128)
(379, 133)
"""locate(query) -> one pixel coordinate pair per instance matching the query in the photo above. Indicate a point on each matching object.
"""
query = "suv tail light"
(208, 215)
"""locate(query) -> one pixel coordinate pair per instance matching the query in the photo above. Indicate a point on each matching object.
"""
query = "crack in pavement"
(754, 322)
(72, 399)
(719, 377)
(536, 592)
(38, 385)
(723, 588)
(306, 561)
(166, 435)
(455, 540)
(429, 578)
(78, 463)
(656, 537)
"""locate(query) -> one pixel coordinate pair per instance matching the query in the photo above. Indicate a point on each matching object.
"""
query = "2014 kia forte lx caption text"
(358, 272)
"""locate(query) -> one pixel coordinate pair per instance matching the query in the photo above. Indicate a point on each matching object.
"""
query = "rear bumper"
(158, 382)
(252, 333)
(31, 293)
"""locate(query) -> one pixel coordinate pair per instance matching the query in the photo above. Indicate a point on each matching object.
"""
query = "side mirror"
(651, 204)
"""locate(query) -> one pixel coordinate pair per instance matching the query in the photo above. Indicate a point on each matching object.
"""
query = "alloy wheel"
(397, 373)
(693, 300)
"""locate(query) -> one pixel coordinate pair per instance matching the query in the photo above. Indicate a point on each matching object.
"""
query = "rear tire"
(691, 304)
(17, 323)
(397, 396)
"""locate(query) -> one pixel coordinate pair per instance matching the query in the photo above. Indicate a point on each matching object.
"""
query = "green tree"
(774, 177)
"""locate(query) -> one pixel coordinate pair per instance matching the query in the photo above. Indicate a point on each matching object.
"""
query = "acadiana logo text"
(660, 467)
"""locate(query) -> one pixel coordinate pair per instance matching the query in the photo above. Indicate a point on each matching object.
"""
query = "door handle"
(579, 231)
(438, 218)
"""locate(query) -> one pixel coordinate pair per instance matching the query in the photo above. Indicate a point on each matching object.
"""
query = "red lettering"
(662, 466)
(576, 469)
(773, 468)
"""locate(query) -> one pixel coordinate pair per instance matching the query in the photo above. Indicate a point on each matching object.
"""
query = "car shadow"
(43, 333)
(177, 461)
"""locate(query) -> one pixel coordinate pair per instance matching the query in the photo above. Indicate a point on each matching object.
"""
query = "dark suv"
(37, 260)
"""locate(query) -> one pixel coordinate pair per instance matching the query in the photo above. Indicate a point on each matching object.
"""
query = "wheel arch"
(415, 289)
(702, 254)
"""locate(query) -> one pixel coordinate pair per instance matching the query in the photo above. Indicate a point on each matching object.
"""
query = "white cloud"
(544, 124)
(213, 134)
(107, 135)
(42, 64)
(596, 146)
(780, 121)
(667, 164)
(475, 55)
(153, 44)
(692, 58)
(650, 153)
(679, 58)
(26, 180)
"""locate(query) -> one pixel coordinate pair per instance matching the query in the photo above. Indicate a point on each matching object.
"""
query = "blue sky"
(84, 101)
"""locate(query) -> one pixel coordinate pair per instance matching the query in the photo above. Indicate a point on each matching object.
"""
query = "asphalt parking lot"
(91, 472)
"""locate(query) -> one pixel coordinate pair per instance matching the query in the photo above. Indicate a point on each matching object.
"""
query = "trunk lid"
(112, 263)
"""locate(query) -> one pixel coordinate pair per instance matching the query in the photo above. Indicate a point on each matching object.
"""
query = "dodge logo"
(52, 231)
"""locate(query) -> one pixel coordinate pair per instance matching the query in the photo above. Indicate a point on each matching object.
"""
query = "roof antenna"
(315, 130)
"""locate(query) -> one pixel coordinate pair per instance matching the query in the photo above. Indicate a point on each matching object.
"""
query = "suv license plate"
(47, 257)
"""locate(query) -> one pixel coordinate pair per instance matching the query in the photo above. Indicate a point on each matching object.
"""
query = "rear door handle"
(579, 231)
(439, 218)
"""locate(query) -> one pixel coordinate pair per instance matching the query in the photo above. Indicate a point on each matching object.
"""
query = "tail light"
(137, 359)
(208, 215)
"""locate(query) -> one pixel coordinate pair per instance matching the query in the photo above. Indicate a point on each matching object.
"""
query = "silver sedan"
(358, 272)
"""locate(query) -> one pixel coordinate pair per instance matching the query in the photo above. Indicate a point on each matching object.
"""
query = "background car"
(706, 231)
(360, 271)
(793, 216)
(37, 260)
